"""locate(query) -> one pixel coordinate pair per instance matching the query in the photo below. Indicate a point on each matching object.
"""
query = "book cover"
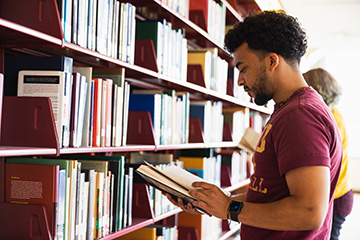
(33, 184)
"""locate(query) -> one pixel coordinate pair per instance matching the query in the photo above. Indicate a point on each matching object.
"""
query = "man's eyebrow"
(238, 64)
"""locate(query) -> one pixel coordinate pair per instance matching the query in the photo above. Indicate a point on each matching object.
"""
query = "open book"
(173, 180)
(249, 140)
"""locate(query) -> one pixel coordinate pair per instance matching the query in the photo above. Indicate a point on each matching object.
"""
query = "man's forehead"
(240, 54)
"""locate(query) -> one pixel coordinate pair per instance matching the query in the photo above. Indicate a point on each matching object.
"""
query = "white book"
(125, 112)
(84, 210)
(50, 84)
(87, 72)
(82, 106)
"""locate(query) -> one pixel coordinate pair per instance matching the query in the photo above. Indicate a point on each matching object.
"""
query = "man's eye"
(243, 70)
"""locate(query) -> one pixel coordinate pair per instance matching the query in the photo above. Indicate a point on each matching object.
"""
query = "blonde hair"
(325, 84)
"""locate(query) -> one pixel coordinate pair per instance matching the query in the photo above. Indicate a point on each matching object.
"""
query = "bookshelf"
(27, 124)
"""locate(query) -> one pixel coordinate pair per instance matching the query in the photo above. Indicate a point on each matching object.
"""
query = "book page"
(182, 176)
(156, 174)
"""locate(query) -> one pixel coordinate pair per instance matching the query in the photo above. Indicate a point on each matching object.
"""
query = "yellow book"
(204, 59)
(193, 162)
(140, 234)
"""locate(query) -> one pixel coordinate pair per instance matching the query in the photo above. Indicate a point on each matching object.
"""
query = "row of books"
(86, 198)
(214, 68)
(169, 112)
(170, 47)
(106, 26)
(89, 104)
(211, 117)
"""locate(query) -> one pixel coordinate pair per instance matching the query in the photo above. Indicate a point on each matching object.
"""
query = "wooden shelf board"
(8, 151)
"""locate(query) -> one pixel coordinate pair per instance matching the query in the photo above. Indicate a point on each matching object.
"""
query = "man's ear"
(272, 61)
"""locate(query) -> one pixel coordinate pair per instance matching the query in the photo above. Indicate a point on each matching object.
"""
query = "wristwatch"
(235, 209)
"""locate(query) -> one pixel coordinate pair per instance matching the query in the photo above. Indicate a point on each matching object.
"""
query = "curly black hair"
(269, 31)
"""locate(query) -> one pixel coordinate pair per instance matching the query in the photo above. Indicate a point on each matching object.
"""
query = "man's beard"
(261, 95)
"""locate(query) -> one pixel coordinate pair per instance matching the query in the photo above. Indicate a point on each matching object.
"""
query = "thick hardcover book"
(173, 180)
(33, 184)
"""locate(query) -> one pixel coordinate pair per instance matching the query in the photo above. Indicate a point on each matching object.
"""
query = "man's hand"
(211, 199)
(186, 208)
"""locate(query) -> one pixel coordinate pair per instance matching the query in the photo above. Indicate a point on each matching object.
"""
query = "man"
(297, 161)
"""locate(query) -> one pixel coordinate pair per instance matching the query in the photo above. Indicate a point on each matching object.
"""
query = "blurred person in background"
(327, 86)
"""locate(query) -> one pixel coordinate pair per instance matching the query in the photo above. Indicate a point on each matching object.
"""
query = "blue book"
(150, 103)
(198, 111)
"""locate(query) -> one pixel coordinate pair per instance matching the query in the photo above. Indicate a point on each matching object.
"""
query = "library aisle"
(351, 230)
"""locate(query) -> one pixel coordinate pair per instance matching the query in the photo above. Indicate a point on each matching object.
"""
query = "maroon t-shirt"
(300, 133)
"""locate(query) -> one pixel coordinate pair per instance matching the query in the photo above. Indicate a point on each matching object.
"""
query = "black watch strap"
(235, 208)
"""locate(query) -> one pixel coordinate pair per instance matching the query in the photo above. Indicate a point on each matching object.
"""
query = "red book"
(33, 184)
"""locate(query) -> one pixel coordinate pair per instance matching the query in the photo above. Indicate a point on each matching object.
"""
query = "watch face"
(235, 206)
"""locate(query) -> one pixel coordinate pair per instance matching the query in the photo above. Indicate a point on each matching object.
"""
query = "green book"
(152, 30)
